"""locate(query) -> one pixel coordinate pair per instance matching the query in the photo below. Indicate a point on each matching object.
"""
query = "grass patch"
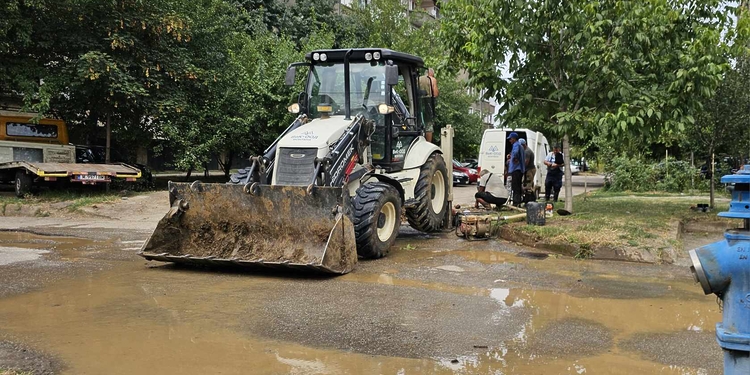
(543, 232)
(92, 200)
(14, 372)
(642, 221)
(77, 200)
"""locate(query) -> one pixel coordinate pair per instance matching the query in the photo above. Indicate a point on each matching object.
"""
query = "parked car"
(470, 172)
(581, 164)
(470, 163)
(723, 167)
(574, 168)
(460, 178)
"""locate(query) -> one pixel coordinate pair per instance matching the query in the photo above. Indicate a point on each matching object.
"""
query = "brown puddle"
(133, 319)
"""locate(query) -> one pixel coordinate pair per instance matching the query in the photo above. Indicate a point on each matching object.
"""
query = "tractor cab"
(379, 84)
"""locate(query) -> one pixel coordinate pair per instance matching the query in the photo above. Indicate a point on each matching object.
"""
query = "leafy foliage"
(611, 69)
(205, 77)
(389, 28)
(634, 174)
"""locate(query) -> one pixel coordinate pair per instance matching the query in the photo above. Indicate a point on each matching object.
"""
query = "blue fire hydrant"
(723, 268)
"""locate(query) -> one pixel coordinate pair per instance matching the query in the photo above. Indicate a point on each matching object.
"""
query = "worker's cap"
(522, 141)
(483, 172)
(513, 135)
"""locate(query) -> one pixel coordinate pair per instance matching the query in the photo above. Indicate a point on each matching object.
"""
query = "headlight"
(376, 55)
(472, 171)
(316, 56)
(323, 57)
(368, 56)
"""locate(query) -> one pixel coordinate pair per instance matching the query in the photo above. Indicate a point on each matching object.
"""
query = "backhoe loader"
(332, 186)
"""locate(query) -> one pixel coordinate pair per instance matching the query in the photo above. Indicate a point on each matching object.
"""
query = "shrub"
(629, 174)
(676, 176)
(633, 174)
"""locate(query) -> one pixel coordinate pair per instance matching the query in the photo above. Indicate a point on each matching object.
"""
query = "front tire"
(431, 193)
(376, 219)
(23, 183)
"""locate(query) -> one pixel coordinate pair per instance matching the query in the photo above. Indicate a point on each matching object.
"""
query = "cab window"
(17, 129)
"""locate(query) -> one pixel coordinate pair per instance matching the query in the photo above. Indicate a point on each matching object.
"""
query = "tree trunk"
(225, 162)
(141, 155)
(109, 135)
(713, 175)
(568, 175)
(189, 172)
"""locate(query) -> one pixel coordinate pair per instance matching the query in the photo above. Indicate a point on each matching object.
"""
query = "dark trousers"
(489, 198)
(515, 185)
(550, 185)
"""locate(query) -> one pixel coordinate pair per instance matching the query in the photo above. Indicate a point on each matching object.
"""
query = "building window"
(434, 11)
(408, 4)
(471, 110)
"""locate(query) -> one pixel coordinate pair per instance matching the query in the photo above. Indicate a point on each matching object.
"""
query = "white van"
(495, 146)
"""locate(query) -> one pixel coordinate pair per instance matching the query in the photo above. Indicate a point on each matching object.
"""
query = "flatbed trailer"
(26, 175)
(38, 152)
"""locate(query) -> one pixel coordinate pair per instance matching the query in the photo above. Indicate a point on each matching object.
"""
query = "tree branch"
(547, 100)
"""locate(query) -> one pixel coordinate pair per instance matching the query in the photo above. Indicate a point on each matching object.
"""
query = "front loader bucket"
(258, 225)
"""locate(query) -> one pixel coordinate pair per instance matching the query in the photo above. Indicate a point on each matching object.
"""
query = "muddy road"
(76, 299)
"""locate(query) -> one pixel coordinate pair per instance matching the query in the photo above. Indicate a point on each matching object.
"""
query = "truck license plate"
(91, 177)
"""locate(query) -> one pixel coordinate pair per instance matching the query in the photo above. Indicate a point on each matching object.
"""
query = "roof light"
(316, 56)
(376, 55)
(368, 56)
(323, 57)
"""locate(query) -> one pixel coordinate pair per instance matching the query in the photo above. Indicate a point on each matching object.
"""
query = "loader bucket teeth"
(266, 226)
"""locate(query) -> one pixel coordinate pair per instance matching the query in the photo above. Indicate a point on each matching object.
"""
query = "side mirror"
(291, 73)
(391, 75)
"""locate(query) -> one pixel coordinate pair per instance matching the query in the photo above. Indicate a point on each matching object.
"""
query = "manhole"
(530, 255)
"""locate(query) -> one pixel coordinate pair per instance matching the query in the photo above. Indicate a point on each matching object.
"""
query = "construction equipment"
(332, 186)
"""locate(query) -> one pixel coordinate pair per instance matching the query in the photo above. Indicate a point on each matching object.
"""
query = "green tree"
(89, 61)
(237, 103)
(723, 124)
(417, 34)
(593, 68)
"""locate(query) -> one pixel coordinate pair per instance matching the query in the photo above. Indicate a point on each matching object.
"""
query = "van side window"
(17, 129)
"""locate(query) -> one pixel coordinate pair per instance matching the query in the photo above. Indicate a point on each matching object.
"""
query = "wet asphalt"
(436, 304)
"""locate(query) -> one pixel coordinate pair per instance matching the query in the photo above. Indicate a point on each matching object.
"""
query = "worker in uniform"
(553, 183)
(490, 190)
(528, 180)
(516, 168)
(428, 90)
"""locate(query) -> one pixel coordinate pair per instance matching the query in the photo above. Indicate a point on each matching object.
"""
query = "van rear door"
(543, 149)
(492, 151)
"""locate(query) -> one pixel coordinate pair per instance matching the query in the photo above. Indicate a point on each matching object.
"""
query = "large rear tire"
(431, 193)
(376, 219)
